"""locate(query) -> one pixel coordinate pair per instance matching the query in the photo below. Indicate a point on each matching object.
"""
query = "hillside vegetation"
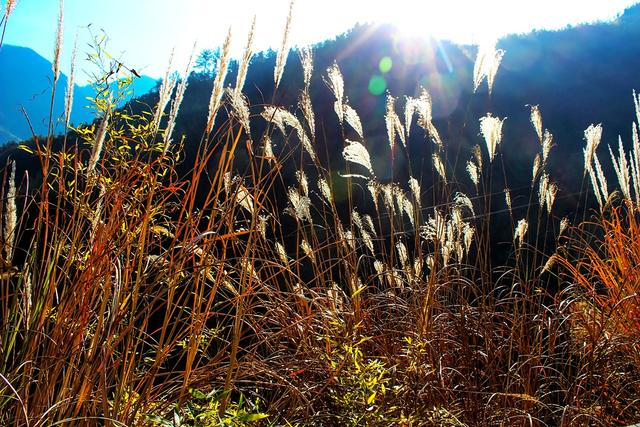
(302, 251)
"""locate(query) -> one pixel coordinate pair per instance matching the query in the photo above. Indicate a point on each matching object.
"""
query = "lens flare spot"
(385, 65)
(377, 85)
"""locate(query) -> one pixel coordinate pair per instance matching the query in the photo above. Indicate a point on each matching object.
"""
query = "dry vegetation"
(131, 297)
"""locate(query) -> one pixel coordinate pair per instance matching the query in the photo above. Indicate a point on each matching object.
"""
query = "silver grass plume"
(175, 104)
(246, 58)
(507, 199)
(439, 166)
(593, 135)
(602, 180)
(357, 153)
(164, 94)
(336, 85)
(8, 8)
(414, 186)
(536, 121)
(282, 118)
(369, 223)
(282, 253)
(307, 110)
(325, 190)
(520, 232)
(366, 237)
(218, 83)
(594, 184)
(486, 66)
(550, 263)
(392, 121)
(477, 154)
(308, 251)
(245, 199)
(10, 216)
(57, 50)
(300, 206)
(463, 200)
(240, 109)
(550, 196)
(636, 102)
(281, 59)
(424, 107)
(474, 173)
(547, 144)
(306, 58)
(403, 255)
(635, 163)
(303, 182)
(387, 198)
(542, 190)
(98, 142)
(374, 188)
(564, 223)
(351, 117)
(622, 169)
(536, 169)
(267, 150)
(491, 129)
(68, 97)
(262, 226)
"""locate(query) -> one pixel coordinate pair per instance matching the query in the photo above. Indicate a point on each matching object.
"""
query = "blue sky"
(142, 33)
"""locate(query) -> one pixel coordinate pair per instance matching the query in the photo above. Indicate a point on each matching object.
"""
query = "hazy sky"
(143, 32)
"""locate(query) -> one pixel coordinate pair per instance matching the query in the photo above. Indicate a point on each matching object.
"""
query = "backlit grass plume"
(491, 129)
(218, 83)
(283, 52)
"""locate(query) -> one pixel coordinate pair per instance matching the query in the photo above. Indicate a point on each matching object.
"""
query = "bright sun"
(464, 24)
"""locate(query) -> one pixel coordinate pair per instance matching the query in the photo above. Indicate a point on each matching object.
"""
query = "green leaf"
(252, 417)
(25, 148)
(371, 398)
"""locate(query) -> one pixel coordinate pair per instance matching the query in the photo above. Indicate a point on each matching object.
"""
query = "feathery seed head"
(463, 200)
(357, 153)
(218, 83)
(325, 190)
(439, 166)
(300, 206)
(486, 66)
(593, 135)
(414, 186)
(303, 182)
(536, 169)
(246, 58)
(536, 120)
(57, 50)
(520, 232)
(491, 129)
(9, 7)
(547, 144)
(474, 172)
(281, 59)
(336, 84)
(306, 58)
(10, 216)
(351, 117)
(507, 199)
